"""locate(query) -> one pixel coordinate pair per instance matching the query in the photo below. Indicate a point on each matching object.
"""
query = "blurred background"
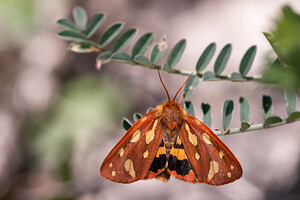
(59, 116)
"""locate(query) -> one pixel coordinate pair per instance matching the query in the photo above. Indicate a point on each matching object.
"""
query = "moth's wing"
(131, 158)
(211, 160)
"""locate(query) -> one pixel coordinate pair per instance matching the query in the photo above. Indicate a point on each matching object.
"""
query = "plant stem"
(255, 127)
(200, 75)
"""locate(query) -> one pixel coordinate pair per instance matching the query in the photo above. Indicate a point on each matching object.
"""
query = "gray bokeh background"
(59, 116)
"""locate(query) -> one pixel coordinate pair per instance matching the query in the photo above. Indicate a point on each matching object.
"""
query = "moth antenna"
(163, 84)
(181, 98)
(181, 88)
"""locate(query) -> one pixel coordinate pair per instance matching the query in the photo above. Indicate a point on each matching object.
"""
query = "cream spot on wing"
(192, 137)
(197, 156)
(206, 138)
(231, 167)
(145, 154)
(213, 169)
(121, 152)
(128, 165)
(136, 136)
(221, 154)
(113, 173)
(150, 134)
(198, 122)
(179, 140)
(228, 174)
(110, 165)
(143, 119)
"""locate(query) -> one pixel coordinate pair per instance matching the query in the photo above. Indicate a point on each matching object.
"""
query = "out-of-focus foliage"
(285, 40)
(84, 112)
(17, 20)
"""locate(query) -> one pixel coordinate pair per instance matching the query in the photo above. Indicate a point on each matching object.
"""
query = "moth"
(169, 142)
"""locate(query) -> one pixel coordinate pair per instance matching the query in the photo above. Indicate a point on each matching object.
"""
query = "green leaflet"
(94, 24)
(65, 23)
(206, 57)
(124, 39)
(189, 107)
(222, 59)
(176, 53)
(142, 44)
(121, 57)
(227, 113)
(137, 116)
(244, 109)
(110, 34)
(142, 60)
(190, 85)
(126, 124)
(80, 17)
(247, 60)
(71, 35)
(291, 101)
(267, 106)
(206, 111)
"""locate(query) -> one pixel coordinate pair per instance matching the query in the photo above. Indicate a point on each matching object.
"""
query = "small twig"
(200, 75)
(255, 127)
(187, 73)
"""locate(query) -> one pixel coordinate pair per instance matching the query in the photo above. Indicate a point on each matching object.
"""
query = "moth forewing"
(211, 160)
(131, 158)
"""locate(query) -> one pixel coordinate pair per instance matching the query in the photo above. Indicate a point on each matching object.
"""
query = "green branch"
(255, 127)
(187, 73)
(80, 32)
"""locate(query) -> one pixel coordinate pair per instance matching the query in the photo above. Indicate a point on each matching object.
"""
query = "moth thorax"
(171, 115)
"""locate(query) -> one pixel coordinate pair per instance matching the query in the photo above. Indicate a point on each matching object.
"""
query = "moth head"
(172, 113)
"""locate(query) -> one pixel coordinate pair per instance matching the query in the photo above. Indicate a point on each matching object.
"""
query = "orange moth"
(169, 142)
